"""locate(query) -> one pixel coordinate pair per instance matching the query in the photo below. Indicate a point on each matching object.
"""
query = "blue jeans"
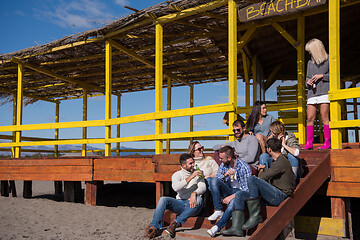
(240, 199)
(272, 195)
(220, 189)
(266, 159)
(231, 206)
(178, 206)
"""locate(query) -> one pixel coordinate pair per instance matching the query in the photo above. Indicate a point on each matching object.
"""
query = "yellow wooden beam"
(285, 34)
(191, 11)
(191, 106)
(344, 94)
(84, 129)
(129, 119)
(334, 69)
(118, 115)
(168, 120)
(13, 137)
(108, 82)
(301, 78)
(158, 85)
(271, 78)
(19, 108)
(232, 58)
(58, 76)
(57, 115)
(63, 47)
(143, 60)
(246, 37)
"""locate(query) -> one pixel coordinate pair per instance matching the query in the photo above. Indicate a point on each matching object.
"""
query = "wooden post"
(168, 120)
(57, 184)
(72, 191)
(158, 85)
(191, 106)
(108, 80)
(232, 59)
(118, 115)
(91, 192)
(301, 78)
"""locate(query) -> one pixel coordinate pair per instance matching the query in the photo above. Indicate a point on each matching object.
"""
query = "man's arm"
(178, 183)
(268, 173)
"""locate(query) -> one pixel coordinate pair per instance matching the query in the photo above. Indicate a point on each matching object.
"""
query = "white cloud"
(83, 14)
(122, 2)
(200, 124)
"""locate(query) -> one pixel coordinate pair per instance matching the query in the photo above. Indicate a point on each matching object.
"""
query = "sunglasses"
(236, 130)
(200, 149)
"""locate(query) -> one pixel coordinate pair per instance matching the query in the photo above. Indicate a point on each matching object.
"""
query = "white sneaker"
(213, 231)
(217, 214)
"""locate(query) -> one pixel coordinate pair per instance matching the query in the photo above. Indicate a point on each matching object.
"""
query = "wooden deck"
(343, 167)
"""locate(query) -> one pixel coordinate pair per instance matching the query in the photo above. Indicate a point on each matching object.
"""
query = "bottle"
(197, 168)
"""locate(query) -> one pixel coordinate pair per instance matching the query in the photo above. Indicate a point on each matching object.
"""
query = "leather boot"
(237, 222)
(327, 137)
(309, 137)
(254, 213)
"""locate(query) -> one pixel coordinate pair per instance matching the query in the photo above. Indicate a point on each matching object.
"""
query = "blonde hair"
(317, 51)
(277, 127)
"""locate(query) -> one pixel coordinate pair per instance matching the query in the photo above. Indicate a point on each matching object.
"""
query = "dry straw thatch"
(195, 51)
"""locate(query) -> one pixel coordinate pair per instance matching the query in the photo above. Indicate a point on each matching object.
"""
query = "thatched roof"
(195, 51)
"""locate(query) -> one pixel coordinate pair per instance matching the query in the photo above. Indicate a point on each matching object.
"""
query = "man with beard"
(189, 187)
(246, 146)
(230, 178)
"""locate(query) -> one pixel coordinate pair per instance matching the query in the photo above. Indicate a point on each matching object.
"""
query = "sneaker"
(213, 231)
(151, 232)
(171, 229)
(217, 214)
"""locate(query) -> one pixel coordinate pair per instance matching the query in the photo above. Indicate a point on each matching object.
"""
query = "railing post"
(191, 106)
(118, 115)
(334, 68)
(57, 112)
(301, 78)
(158, 85)
(84, 129)
(232, 35)
(168, 120)
(108, 80)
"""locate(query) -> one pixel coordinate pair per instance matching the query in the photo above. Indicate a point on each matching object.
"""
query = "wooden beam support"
(146, 62)
(158, 85)
(58, 76)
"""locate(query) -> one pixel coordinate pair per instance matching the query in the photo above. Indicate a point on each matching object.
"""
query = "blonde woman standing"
(317, 82)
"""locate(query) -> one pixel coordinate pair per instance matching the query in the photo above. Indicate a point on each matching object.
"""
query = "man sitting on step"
(274, 185)
(230, 178)
(189, 185)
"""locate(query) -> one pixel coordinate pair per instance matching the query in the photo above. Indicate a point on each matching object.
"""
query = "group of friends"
(260, 166)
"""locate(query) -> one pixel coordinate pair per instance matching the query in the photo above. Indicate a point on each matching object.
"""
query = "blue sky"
(29, 23)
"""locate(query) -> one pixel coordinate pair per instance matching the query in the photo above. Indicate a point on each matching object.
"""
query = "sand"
(45, 216)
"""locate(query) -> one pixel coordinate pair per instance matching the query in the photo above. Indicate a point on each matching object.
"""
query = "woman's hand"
(282, 138)
(314, 79)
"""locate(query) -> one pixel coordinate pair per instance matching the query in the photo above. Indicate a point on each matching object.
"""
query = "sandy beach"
(45, 216)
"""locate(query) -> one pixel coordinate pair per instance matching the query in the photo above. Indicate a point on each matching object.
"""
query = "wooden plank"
(47, 177)
(45, 162)
(345, 158)
(320, 225)
(290, 206)
(338, 208)
(124, 163)
(165, 177)
(343, 189)
(167, 159)
(124, 175)
(275, 8)
(46, 170)
(167, 168)
(345, 174)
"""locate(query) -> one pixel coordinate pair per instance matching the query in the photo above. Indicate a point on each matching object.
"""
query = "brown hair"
(277, 127)
(191, 148)
(229, 151)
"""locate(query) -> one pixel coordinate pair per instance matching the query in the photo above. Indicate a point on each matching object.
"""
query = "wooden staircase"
(316, 166)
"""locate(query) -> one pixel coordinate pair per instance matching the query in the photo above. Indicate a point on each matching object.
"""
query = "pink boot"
(327, 136)
(309, 137)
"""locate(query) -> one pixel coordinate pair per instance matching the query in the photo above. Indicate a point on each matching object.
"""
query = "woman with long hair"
(258, 123)
(317, 82)
(206, 164)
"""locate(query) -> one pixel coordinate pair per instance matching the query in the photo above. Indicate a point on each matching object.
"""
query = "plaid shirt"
(242, 169)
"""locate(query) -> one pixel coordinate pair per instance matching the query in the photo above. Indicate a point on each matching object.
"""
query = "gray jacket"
(322, 85)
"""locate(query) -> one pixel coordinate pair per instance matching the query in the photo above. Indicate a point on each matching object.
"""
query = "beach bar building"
(186, 43)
